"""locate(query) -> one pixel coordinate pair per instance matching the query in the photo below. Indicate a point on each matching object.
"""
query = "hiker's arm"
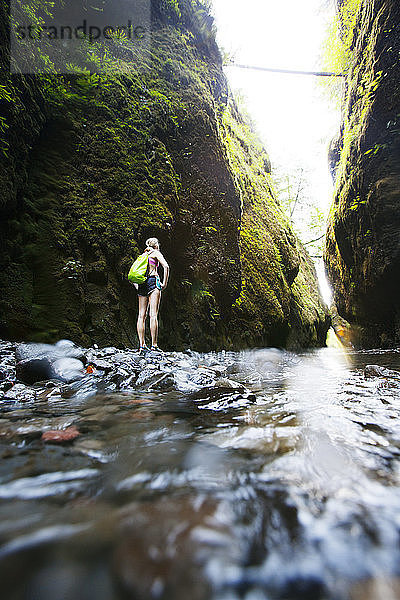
(165, 266)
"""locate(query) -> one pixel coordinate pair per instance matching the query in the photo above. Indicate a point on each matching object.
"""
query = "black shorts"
(145, 289)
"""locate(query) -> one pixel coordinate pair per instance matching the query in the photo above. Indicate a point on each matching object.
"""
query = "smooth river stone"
(61, 436)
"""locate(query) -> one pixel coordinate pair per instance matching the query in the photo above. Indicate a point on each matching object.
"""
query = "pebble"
(89, 445)
(50, 394)
(21, 393)
(6, 429)
(229, 383)
(29, 430)
(61, 436)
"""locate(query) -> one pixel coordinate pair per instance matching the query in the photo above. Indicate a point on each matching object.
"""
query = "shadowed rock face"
(363, 242)
(94, 169)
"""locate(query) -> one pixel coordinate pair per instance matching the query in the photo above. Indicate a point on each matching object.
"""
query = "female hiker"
(149, 294)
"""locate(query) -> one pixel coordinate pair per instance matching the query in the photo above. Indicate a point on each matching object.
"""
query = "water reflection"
(261, 474)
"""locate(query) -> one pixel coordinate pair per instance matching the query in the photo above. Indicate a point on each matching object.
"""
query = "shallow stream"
(262, 475)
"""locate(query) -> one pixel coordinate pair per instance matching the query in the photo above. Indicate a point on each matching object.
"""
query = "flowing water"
(257, 475)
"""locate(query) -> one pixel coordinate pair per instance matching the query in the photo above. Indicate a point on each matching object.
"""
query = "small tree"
(305, 216)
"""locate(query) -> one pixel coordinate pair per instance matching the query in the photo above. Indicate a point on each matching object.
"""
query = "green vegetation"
(305, 216)
(101, 158)
(271, 308)
(338, 49)
(338, 56)
(360, 253)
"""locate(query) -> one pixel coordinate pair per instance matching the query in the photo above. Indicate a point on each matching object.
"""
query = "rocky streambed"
(259, 475)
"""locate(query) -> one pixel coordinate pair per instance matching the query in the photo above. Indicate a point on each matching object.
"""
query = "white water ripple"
(48, 484)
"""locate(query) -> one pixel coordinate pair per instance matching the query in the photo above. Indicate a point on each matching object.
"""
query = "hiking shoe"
(156, 349)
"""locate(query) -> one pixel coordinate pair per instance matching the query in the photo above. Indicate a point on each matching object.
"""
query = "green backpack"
(138, 272)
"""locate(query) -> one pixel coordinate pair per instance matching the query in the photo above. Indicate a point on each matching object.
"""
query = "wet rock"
(379, 588)
(30, 351)
(7, 369)
(20, 393)
(34, 370)
(6, 346)
(30, 370)
(68, 369)
(22, 424)
(50, 384)
(134, 362)
(38, 362)
(5, 386)
(217, 369)
(373, 371)
(7, 431)
(100, 413)
(114, 370)
(67, 392)
(62, 349)
(108, 351)
(29, 430)
(122, 378)
(165, 546)
(92, 448)
(377, 371)
(183, 364)
(129, 383)
(164, 383)
(233, 369)
(103, 365)
(211, 393)
(303, 588)
(223, 382)
(90, 445)
(148, 376)
(83, 388)
(67, 349)
(189, 381)
(49, 394)
(63, 436)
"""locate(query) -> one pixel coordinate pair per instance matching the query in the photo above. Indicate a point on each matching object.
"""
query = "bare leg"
(141, 322)
(154, 301)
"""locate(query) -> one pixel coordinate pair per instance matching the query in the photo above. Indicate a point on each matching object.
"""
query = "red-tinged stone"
(139, 401)
(61, 436)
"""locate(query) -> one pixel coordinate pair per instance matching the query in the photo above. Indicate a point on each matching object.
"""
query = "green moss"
(360, 242)
(111, 159)
(270, 255)
(338, 47)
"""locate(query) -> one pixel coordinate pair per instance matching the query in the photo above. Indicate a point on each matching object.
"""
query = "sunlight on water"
(324, 285)
(260, 474)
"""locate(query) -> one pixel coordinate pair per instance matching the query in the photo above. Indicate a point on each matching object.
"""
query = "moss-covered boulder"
(363, 241)
(279, 303)
(96, 163)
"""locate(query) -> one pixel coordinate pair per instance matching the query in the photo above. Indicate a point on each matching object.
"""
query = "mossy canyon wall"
(93, 164)
(363, 242)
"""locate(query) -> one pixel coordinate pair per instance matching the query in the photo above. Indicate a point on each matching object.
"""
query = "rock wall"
(96, 164)
(363, 241)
